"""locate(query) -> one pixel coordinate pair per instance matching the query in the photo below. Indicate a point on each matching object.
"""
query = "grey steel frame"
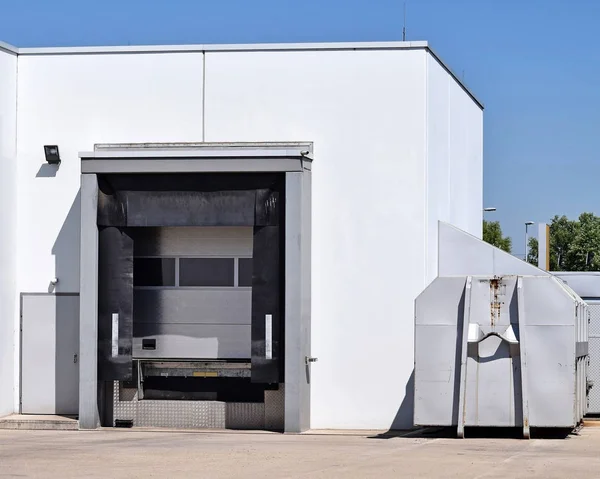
(293, 159)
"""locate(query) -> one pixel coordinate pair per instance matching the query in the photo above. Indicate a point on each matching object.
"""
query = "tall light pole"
(527, 225)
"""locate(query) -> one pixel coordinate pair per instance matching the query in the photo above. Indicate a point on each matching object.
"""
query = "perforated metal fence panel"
(594, 351)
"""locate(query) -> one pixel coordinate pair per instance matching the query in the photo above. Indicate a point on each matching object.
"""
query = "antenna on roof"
(404, 26)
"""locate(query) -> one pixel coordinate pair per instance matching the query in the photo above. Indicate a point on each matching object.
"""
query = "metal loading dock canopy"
(174, 185)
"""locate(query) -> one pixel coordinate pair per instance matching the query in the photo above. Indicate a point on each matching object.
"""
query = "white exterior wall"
(75, 101)
(8, 226)
(454, 159)
(367, 112)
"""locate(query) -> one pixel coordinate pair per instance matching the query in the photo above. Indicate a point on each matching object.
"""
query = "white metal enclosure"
(50, 367)
(502, 352)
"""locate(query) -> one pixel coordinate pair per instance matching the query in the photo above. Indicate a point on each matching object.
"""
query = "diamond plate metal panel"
(186, 414)
(181, 414)
(245, 416)
(594, 310)
(275, 409)
(126, 394)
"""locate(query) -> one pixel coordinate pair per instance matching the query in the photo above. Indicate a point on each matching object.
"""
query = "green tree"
(533, 251)
(574, 244)
(583, 254)
(492, 234)
(562, 233)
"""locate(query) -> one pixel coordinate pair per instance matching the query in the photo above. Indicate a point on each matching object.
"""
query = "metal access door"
(49, 354)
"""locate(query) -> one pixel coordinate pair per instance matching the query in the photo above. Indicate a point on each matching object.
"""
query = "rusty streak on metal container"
(495, 301)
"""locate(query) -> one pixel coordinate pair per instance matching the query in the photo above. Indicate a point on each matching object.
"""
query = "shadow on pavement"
(478, 433)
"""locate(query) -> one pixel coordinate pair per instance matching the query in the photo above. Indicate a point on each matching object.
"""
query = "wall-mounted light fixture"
(52, 154)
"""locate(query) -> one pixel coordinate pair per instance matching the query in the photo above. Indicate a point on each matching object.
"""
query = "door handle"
(75, 358)
(308, 360)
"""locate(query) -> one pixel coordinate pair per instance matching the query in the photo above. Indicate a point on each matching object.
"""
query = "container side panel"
(551, 375)
(439, 314)
(585, 284)
(546, 303)
(551, 322)
(436, 392)
(461, 253)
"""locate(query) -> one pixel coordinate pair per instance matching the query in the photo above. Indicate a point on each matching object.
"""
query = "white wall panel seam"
(16, 110)
(449, 149)
(426, 211)
(203, 113)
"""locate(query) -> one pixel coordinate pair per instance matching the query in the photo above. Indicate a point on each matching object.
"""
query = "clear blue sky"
(534, 63)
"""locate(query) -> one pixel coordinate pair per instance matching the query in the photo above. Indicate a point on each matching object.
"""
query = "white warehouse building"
(221, 217)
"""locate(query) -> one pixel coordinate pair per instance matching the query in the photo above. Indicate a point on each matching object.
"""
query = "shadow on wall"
(66, 257)
(404, 416)
(47, 171)
(66, 252)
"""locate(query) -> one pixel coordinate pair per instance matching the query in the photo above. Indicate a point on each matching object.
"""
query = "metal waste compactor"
(500, 352)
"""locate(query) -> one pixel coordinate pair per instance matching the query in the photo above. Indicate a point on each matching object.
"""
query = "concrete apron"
(39, 422)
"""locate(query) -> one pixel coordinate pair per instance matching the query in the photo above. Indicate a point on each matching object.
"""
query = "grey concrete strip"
(141, 454)
(35, 423)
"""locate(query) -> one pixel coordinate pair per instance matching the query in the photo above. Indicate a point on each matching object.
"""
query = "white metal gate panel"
(50, 354)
